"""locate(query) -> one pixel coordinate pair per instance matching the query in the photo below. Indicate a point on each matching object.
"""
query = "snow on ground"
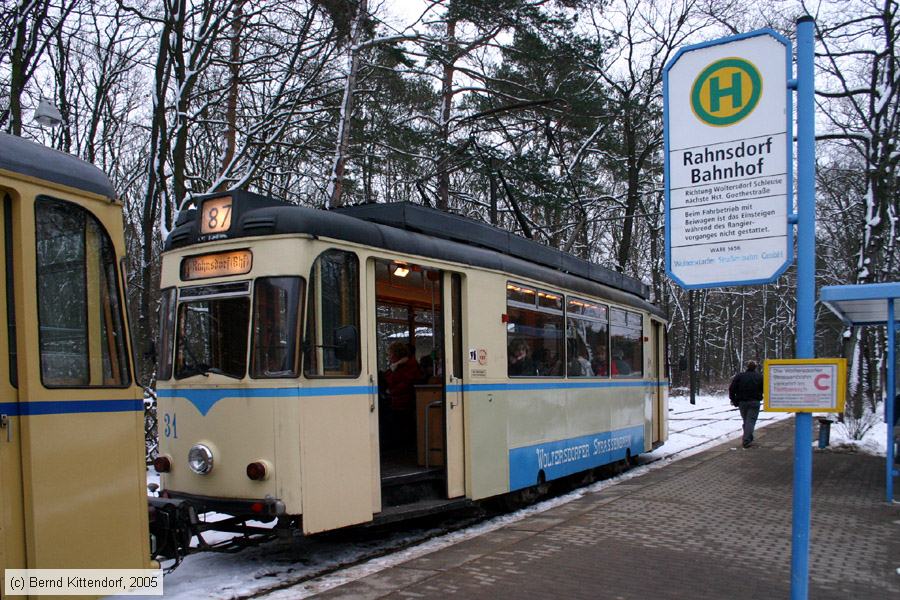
(874, 441)
(276, 564)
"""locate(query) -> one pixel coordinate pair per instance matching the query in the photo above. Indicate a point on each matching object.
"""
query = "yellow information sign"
(805, 384)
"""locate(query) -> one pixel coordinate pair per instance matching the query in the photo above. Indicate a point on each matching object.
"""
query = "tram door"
(453, 405)
(12, 523)
(658, 366)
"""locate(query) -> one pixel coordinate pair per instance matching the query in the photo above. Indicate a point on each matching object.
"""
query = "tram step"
(413, 487)
(423, 508)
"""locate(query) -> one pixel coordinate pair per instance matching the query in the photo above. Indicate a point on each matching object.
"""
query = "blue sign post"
(806, 299)
(728, 191)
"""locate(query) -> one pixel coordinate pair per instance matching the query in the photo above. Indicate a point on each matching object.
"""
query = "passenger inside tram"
(619, 365)
(520, 362)
(408, 320)
(549, 362)
(579, 363)
(401, 375)
(600, 363)
(429, 368)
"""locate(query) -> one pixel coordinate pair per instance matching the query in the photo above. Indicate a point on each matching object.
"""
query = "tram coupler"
(173, 522)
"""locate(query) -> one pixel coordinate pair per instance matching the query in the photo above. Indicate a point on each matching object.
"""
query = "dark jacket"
(746, 387)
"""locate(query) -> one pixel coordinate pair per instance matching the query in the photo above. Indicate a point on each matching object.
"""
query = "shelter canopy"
(860, 304)
(873, 304)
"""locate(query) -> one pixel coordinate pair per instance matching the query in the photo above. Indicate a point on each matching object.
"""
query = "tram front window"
(212, 337)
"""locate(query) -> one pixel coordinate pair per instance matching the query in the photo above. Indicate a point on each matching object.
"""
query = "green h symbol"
(716, 93)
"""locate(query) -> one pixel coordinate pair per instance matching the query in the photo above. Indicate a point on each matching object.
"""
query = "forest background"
(543, 117)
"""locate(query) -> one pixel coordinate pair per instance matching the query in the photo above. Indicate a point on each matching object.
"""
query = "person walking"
(745, 392)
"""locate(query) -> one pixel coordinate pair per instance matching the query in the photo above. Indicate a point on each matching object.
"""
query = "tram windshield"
(211, 324)
(212, 337)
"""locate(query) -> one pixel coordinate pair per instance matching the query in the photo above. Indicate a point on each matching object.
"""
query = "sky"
(279, 563)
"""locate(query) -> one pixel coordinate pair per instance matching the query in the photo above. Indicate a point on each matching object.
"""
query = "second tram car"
(375, 362)
(72, 463)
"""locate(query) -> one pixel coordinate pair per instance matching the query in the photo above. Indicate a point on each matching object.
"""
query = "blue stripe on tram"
(69, 407)
(205, 399)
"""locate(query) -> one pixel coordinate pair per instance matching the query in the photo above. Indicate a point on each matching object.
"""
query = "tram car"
(373, 363)
(72, 464)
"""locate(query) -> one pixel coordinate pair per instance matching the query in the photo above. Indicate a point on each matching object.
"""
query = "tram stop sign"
(728, 161)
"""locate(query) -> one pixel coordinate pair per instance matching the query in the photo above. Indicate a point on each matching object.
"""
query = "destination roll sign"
(728, 161)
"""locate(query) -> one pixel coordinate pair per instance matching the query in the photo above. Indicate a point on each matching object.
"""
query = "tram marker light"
(258, 471)
(162, 464)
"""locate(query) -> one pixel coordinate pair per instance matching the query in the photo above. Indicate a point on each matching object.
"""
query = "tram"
(72, 465)
(376, 362)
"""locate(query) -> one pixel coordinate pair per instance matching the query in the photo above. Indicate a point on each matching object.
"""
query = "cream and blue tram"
(72, 456)
(280, 327)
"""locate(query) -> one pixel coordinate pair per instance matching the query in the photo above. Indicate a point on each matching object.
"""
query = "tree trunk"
(234, 68)
(446, 108)
(18, 66)
(344, 124)
(632, 195)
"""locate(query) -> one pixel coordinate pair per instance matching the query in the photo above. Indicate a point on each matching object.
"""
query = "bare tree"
(27, 32)
(336, 181)
(858, 90)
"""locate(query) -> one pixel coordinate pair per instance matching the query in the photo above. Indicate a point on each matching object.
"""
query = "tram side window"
(626, 335)
(166, 332)
(10, 296)
(587, 339)
(331, 345)
(81, 332)
(276, 327)
(534, 332)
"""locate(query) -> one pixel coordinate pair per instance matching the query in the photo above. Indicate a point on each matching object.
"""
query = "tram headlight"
(200, 459)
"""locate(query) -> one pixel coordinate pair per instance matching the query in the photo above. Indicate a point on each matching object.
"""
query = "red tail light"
(162, 464)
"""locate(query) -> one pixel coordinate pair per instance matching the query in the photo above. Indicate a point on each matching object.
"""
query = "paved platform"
(716, 525)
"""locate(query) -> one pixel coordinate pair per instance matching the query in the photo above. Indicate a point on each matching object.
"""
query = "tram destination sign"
(728, 161)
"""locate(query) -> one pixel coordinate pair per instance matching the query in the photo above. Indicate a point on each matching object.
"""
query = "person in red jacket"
(402, 374)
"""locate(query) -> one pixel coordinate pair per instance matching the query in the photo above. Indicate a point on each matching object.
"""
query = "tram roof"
(417, 230)
(25, 157)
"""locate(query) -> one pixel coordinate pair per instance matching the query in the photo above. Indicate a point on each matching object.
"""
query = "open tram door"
(418, 344)
(12, 521)
(658, 373)
(453, 391)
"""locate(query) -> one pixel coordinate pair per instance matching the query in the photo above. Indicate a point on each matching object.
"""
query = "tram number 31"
(170, 426)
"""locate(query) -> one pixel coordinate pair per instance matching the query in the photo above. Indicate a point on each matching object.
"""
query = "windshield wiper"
(217, 371)
(205, 370)
(196, 369)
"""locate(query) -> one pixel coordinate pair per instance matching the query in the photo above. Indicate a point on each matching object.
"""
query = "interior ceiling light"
(401, 270)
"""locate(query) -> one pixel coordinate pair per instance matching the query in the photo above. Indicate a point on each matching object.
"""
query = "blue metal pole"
(889, 401)
(806, 298)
